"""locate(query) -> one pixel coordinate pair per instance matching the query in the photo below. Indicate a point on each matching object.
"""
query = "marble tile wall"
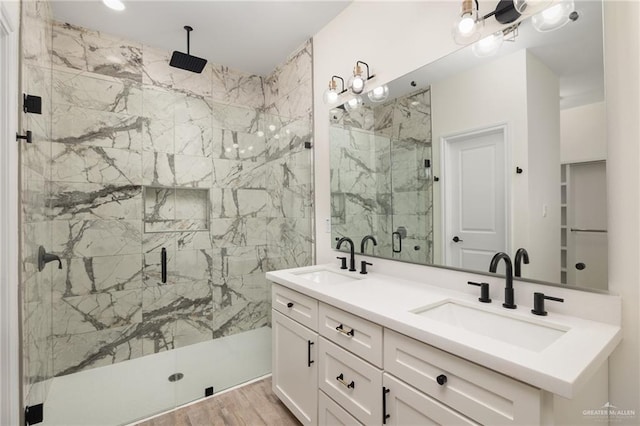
(211, 167)
(378, 179)
(35, 181)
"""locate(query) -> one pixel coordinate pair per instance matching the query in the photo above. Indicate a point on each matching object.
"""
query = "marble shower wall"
(378, 175)
(35, 180)
(208, 166)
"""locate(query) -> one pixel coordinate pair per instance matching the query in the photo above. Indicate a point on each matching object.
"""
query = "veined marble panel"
(160, 169)
(291, 74)
(237, 88)
(289, 241)
(194, 314)
(237, 232)
(83, 49)
(36, 160)
(70, 200)
(36, 80)
(93, 312)
(157, 72)
(77, 352)
(231, 203)
(89, 238)
(237, 261)
(34, 192)
(194, 240)
(81, 126)
(295, 104)
(292, 202)
(235, 118)
(91, 164)
(193, 128)
(96, 92)
(238, 174)
(235, 145)
(159, 209)
(82, 276)
(197, 265)
(36, 43)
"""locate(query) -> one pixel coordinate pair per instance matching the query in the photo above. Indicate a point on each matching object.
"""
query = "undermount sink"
(519, 332)
(324, 276)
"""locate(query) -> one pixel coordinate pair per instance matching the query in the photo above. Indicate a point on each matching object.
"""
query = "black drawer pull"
(340, 329)
(441, 379)
(309, 360)
(290, 305)
(351, 385)
(385, 416)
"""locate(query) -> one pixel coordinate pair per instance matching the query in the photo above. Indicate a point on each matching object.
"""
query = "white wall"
(397, 37)
(622, 70)
(9, 336)
(543, 172)
(459, 104)
(583, 133)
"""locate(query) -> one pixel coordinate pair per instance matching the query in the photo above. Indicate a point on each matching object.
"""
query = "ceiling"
(251, 36)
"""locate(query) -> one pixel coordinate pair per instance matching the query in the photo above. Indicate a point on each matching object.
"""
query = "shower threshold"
(129, 391)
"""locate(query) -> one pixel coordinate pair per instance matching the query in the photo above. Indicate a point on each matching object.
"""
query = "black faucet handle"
(344, 262)
(363, 266)
(538, 303)
(484, 291)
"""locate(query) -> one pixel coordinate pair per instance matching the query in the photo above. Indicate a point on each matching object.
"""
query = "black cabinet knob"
(580, 266)
(456, 239)
(290, 305)
(441, 379)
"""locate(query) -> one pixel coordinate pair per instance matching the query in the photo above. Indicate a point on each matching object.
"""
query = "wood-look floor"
(251, 405)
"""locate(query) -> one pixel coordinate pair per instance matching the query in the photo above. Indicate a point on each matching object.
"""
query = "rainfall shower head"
(186, 61)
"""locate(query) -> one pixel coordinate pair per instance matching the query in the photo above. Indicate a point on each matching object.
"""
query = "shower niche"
(172, 209)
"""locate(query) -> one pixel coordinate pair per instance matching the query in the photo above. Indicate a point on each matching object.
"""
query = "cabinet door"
(295, 367)
(331, 414)
(404, 405)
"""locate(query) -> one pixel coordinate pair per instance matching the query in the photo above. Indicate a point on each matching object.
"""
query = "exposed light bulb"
(272, 127)
(330, 96)
(466, 25)
(489, 45)
(353, 103)
(357, 84)
(553, 18)
(114, 4)
(379, 94)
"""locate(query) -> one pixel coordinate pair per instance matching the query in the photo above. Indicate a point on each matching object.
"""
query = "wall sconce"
(379, 94)
(490, 45)
(555, 17)
(357, 81)
(331, 95)
(466, 28)
(353, 103)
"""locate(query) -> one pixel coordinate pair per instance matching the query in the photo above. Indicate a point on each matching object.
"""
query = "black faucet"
(363, 243)
(352, 260)
(521, 255)
(508, 290)
(44, 258)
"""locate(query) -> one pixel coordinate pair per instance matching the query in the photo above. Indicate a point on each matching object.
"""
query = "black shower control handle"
(343, 262)
(484, 291)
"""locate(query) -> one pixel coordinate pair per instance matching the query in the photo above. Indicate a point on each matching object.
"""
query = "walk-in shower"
(167, 196)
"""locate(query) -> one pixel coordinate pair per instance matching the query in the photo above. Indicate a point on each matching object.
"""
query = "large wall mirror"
(473, 155)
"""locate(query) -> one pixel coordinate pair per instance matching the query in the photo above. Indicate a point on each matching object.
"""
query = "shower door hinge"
(27, 137)
(31, 104)
(33, 414)
(308, 145)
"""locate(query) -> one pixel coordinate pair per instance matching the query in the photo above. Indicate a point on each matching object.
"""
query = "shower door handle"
(163, 260)
(393, 242)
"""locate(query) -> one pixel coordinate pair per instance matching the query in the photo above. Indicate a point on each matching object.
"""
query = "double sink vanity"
(351, 348)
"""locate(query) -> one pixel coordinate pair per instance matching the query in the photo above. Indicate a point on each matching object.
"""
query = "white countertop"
(561, 368)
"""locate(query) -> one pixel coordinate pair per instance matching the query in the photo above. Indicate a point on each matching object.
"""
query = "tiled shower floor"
(136, 389)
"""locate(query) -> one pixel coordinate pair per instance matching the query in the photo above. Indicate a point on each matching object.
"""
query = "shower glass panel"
(167, 197)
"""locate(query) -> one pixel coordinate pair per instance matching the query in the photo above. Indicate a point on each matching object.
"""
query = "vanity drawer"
(331, 414)
(296, 306)
(479, 393)
(353, 333)
(353, 383)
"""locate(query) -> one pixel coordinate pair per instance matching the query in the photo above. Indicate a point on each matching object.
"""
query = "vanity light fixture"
(379, 94)
(528, 7)
(466, 28)
(114, 4)
(357, 81)
(555, 17)
(331, 95)
(490, 45)
(353, 103)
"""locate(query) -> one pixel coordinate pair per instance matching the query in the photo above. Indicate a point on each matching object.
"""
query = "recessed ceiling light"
(114, 4)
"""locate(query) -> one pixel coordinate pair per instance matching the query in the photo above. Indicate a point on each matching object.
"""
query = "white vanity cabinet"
(295, 353)
(331, 367)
